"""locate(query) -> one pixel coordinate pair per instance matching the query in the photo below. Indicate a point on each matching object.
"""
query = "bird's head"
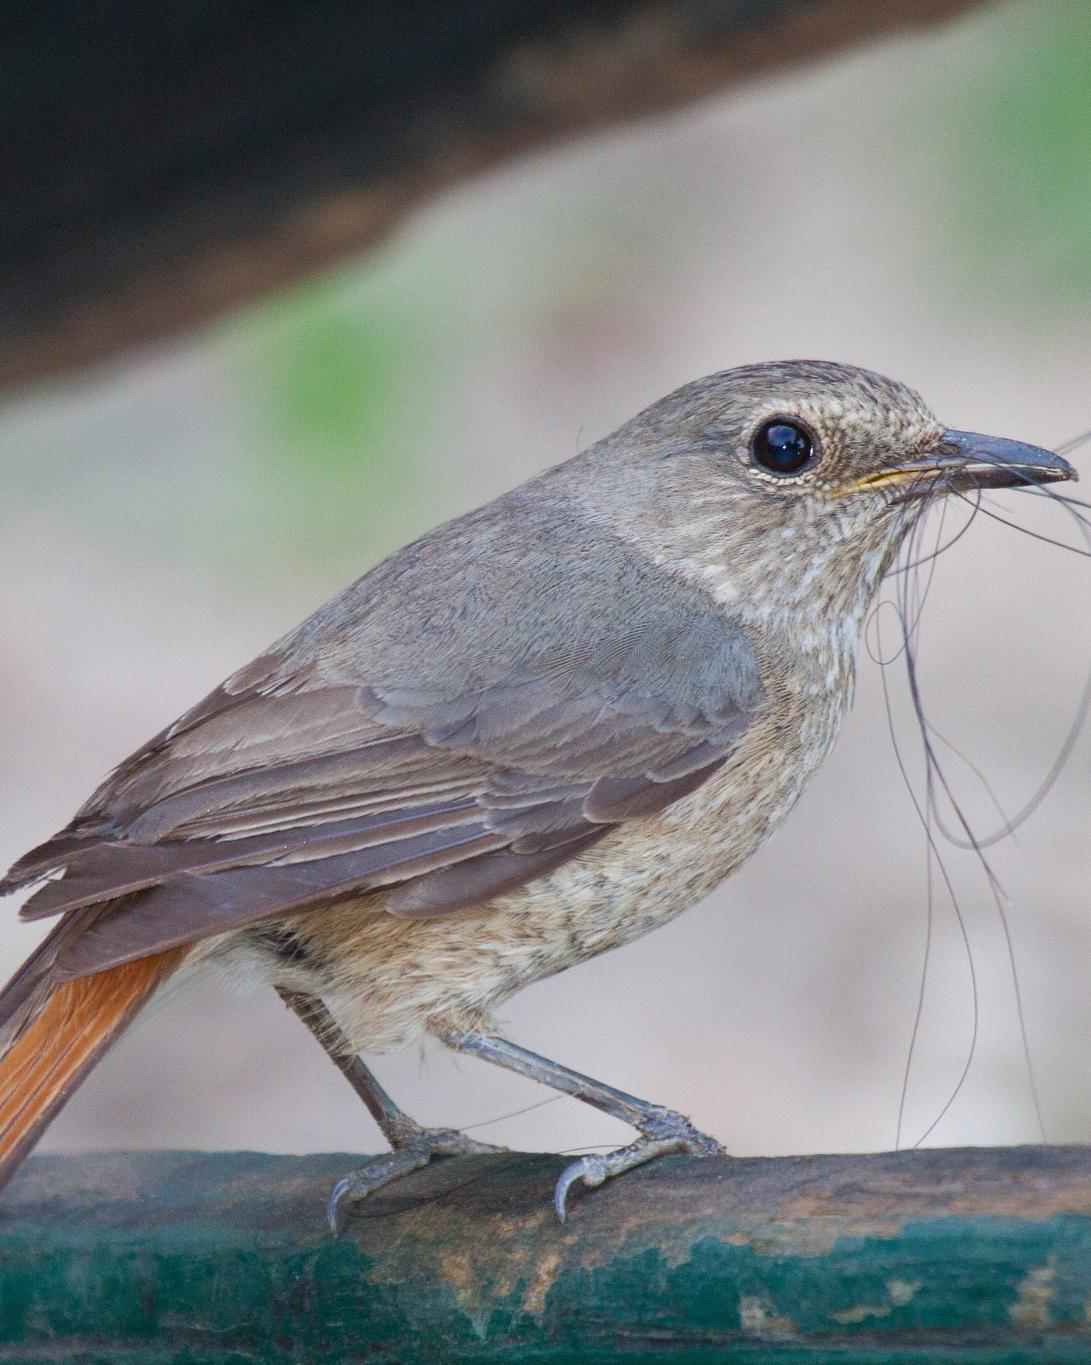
(790, 486)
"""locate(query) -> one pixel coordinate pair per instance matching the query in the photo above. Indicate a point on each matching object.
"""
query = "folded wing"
(285, 790)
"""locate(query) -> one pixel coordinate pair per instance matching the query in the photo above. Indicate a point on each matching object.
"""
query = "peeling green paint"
(218, 1259)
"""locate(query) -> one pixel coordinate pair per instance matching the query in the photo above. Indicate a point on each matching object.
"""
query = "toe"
(426, 1145)
(450, 1142)
(700, 1144)
(596, 1169)
(357, 1185)
(671, 1127)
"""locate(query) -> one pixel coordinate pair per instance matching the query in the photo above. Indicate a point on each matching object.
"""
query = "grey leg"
(413, 1146)
(661, 1130)
(395, 1125)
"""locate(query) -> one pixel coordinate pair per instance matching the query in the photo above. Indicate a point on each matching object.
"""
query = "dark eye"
(782, 447)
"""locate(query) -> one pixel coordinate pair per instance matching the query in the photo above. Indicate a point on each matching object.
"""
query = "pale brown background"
(163, 521)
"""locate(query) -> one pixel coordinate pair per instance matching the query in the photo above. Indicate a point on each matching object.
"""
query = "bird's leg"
(412, 1146)
(661, 1130)
(396, 1126)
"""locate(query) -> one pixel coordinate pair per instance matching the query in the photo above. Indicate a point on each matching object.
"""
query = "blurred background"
(919, 207)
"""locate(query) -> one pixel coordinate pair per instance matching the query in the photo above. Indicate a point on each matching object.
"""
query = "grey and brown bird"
(533, 735)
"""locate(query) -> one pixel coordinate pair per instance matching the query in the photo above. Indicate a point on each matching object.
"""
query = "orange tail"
(66, 1035)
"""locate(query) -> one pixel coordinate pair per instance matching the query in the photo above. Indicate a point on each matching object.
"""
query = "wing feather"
(194, 905)
(292, 786)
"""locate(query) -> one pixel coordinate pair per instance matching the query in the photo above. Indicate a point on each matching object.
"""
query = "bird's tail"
(57, 1031)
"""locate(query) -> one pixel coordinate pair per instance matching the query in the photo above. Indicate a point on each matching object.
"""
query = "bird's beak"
(964, 461)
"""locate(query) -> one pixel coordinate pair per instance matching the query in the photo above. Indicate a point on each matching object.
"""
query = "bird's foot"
(416, 1150)
(666, 1132)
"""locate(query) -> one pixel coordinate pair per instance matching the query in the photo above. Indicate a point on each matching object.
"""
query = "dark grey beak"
(965, 462)
(969, 460)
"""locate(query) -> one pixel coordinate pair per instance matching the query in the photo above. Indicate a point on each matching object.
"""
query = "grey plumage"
(532, 735)
(376, 745)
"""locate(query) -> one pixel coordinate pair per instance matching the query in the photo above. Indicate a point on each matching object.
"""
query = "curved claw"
(675, 1134)
(337, 1205)
(592, 1170)
(425, 1145)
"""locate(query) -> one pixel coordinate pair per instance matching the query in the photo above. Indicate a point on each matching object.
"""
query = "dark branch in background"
(160, 163)
(930, 1255)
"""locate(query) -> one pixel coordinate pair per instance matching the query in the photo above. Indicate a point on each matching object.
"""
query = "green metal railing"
(943, 1255)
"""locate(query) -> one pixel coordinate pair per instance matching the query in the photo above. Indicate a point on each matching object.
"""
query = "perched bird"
(534, 734)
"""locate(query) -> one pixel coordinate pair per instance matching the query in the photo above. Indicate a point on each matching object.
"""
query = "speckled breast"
(400, 978)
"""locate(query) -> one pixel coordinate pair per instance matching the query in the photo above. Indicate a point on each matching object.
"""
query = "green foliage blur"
(1015, 164)
(322, 374)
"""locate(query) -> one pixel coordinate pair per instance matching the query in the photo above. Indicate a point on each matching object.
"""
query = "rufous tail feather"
(68, 1032)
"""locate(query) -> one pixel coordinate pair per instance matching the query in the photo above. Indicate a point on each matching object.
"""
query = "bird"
(534, 734)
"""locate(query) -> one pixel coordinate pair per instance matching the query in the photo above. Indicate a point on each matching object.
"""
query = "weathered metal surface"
(959, 1255)
(162, 162)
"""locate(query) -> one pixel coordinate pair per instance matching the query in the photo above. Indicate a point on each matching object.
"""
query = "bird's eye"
(782, 447)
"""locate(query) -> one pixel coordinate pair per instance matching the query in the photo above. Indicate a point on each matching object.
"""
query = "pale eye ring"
(783, 447)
